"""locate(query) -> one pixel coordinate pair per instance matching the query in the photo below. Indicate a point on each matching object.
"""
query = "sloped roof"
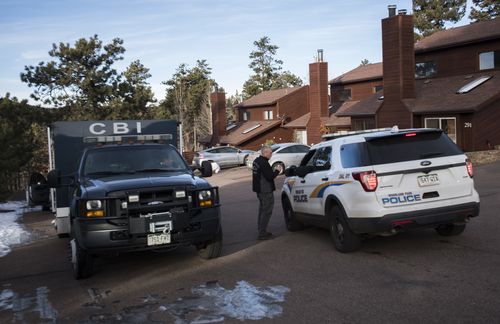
(467, 34)
(362, 72)
(365, 107)
(332, 121)
(439, 95)
(243, 131)
(267, 97)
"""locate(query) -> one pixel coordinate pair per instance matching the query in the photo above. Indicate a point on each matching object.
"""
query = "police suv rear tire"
(82, 261)
(212, 249)
(450, 229)
(344, 239)
(292, 224)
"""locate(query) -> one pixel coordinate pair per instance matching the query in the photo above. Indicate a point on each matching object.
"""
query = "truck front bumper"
(101, 236)
(420, 218)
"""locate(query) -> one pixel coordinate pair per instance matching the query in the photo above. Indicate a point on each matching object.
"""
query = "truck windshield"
(132, 159)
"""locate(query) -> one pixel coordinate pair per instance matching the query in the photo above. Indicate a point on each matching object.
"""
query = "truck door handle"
(302, 181)
(324, 179)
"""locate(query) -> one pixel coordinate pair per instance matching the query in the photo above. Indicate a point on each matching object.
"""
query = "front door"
(308, 191)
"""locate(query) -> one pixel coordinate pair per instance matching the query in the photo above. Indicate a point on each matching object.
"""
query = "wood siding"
(278, 135)
(486, 127)
(359, 90)
(295, 104)
(457, 60)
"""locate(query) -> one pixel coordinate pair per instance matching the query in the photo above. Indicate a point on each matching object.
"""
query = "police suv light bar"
(348, 133)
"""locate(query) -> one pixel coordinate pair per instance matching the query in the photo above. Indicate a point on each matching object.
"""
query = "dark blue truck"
(123, 186)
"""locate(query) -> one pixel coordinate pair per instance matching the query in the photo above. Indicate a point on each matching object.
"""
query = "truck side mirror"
(290, 172)
(206, 169)
(54, 178)
(302, 171)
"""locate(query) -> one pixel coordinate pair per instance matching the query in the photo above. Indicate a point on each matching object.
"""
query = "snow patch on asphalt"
(209, 303)
(22, 305)
(11, 231)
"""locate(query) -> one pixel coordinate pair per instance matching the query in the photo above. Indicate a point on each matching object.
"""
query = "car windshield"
(133, 159)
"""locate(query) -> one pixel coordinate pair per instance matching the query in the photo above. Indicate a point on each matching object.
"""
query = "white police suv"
(381, 182)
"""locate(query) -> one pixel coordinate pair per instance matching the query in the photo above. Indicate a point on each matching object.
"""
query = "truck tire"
(450, 229)
(292, 224)
(344, 239)
(82, 261)
(212, 249)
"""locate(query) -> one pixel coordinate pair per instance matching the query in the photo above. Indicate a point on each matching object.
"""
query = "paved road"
(413, 277)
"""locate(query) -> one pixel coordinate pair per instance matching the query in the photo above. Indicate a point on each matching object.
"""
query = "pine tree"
(430, 16)
(484, 10)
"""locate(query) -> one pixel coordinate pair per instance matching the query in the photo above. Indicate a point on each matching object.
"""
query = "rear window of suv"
(400, 148)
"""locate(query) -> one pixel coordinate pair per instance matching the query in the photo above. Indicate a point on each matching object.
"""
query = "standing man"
(263, 184)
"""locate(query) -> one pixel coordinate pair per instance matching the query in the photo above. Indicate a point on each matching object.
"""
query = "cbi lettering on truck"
(99, 128)
(401, 198)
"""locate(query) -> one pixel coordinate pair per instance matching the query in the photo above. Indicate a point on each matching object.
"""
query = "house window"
(425, 70)
(268, 114)
(489, 60)
(377, 88)
(447, 124)
(344, 94)
(246, 115)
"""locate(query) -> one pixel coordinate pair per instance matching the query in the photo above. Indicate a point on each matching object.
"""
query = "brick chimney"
(399, 69)
(218, 105)
(318, 97)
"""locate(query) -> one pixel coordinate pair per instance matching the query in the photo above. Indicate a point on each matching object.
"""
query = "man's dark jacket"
(263, 175)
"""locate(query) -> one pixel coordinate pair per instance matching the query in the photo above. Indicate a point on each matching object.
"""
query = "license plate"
(428, 180)
(158, 239)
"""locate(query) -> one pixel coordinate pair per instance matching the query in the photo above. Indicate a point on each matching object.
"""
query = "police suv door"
(308, 191)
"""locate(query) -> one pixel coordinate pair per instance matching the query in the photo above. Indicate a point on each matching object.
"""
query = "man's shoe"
(266, 236)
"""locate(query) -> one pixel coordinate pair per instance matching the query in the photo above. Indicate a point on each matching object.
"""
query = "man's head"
(266, 151)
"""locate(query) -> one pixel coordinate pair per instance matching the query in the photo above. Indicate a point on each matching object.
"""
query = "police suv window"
(354, 155)
(321, 159)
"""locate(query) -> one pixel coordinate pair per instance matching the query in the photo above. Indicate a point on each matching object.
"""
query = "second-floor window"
(246, 115)
(425, 70)
(489, 60)
(268, 114)
(377, 88)
(344, 94)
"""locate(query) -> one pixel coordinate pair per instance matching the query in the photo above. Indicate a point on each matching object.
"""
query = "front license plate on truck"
(158, 239)
(428, 180)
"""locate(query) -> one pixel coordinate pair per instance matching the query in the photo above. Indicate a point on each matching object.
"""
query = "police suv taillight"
(470, 170)
(368, 179)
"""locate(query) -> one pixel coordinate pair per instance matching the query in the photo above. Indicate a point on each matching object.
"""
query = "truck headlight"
(94, 208)
(205, 198)
(93, 204)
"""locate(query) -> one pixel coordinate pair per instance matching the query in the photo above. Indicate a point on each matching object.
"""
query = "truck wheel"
(212, 249)
(343, 237)
(450, 229)
(83, 262)
(292, 224)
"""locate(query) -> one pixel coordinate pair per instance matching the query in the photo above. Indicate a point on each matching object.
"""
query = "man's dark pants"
(266, 204)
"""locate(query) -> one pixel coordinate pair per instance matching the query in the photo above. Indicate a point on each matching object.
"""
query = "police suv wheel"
(343, 237)
(82, 261)
(292, 224)
(212, 249)
(450, 229)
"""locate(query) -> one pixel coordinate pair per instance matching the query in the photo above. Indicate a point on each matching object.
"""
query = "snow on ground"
(11, 231)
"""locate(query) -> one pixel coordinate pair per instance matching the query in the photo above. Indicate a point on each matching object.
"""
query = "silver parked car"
(224, 156)
(284, 154)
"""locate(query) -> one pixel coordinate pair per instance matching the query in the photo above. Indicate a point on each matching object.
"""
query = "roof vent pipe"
(402, 12)
(320, 55)
(392, 10)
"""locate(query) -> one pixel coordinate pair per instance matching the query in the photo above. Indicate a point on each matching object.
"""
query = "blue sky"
(165, 33)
